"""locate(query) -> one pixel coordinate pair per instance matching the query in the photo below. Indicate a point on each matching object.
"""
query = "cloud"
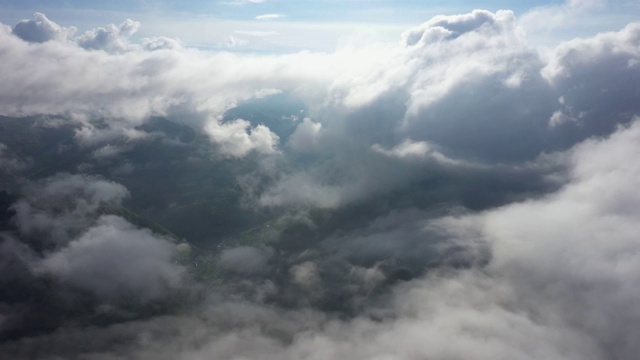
(233, 41)
(582, 259)
(553, 260)
(306, 135)
(449, 27)
(65, 253)
(458, 186)
(488, 96)
(114, 259)
(245, 260)
(235, 140)
(412, 150)
(581, 71)
(243, 2)
(160, 43)
(107, 151)
(268, 17)
(58, 208)
(256, 33)
(585, 4)
(564, 16)
(110, 38)
(41, 29)
(9, 162)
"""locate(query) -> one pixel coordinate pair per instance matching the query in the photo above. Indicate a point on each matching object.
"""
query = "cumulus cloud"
(557, 15)
(553, 260)
(581, 70)
(114, 259)
(160, 43)
(41, 29)
(66, 253)
(427, 167)
(306, 136)
(409, 90)
(581, 259)
(493, 92)
(235, 140)
(448, 27)
(110, 38)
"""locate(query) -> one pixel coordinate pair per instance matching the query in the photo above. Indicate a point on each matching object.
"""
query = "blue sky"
(309, 10)
(312, 24)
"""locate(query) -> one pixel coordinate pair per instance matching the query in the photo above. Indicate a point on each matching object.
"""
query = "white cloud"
(560, 283)
(302, 188)
(238, 138)
(243, 2)
(467, 85)
(109, 38)
(552, 277)
(113, 259)
(583, 72)
(256, 33)
(550, 23)
(586, 4)
(266, 17)
(233, 41)
(407, 149)
(160, 43)
(306, 136)
(448, 27)
(42, 29)
(58, 208)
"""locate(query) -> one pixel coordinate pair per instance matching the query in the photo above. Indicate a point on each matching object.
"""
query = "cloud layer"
(67, 258)
(461, 184)
(553, 261)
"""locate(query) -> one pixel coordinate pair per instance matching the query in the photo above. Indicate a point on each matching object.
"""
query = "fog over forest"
(461, 193)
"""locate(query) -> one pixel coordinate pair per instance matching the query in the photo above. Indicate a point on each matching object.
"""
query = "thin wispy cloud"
(269, 17)
(256, 33)
(243, 2)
